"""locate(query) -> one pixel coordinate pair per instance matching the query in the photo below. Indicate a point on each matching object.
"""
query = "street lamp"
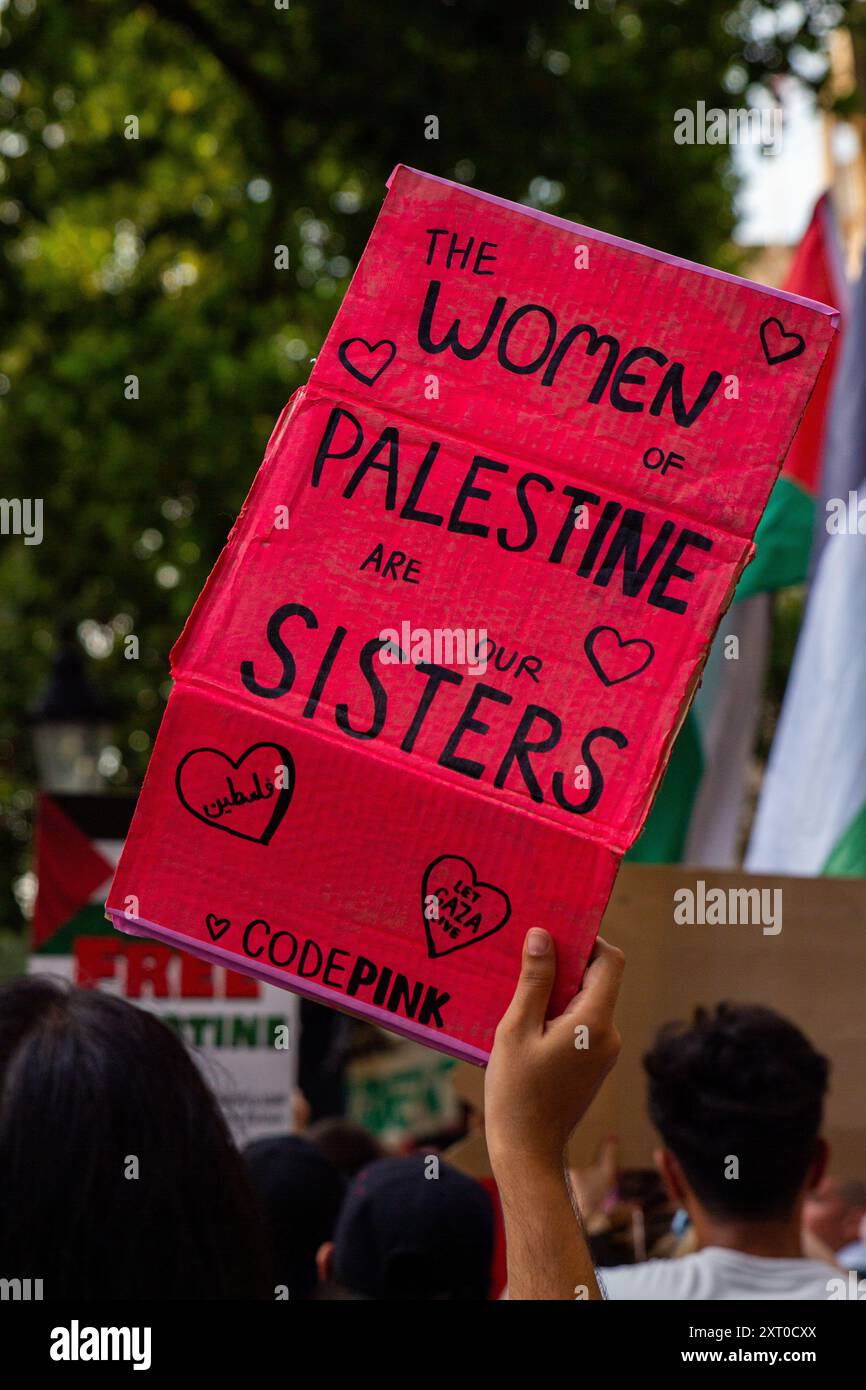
(71, 724)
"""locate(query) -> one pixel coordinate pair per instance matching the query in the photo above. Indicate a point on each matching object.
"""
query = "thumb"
(528, 1008)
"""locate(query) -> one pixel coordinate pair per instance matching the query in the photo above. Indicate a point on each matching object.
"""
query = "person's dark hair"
(739, 1082)
(300, 1192)
(118, 1177)
(410, 1230)
(349, 1146)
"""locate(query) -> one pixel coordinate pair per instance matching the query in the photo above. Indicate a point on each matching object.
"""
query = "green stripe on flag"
(848, 858)
(663, 837)
(783, 540)
(89, 921)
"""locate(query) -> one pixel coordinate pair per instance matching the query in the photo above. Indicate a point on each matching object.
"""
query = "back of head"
(300, 1193)
(739, 1083)
(406, 1233)
(118, 1178)
(349, 1146)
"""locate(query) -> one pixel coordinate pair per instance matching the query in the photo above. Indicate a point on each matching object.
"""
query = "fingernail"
(537, 942)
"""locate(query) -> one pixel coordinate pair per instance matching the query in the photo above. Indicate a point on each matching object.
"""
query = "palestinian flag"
(811, 818)
(698, 812)
(784, 535)
(78, 844)
(231, 1023)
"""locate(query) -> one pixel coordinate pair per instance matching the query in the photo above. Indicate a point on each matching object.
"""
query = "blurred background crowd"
(185, 189)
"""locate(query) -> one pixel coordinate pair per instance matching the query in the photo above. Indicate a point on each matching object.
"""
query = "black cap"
(404, 1233)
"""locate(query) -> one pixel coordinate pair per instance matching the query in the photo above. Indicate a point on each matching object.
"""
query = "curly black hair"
(739, 1082)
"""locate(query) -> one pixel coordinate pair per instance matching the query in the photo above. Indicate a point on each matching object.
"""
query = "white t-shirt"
(714, 1273)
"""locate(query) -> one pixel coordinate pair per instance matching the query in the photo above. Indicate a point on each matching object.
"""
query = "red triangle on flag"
(68, 869)
(816, 272)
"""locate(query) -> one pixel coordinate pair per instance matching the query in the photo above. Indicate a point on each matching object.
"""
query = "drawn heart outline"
(217, 926)
(281, 805)
(366, 378)
(780, 335)
(491, 889)
(595, 661)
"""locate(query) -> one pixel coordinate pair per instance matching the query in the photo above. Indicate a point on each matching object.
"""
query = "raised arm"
(540, 1081)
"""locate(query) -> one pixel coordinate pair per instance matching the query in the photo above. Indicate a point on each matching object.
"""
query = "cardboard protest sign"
(429, 690)
(242, 1033)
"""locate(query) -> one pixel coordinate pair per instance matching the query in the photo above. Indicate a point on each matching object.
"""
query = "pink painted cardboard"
(428, 692)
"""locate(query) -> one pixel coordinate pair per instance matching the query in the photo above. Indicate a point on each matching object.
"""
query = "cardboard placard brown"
(811, 971)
